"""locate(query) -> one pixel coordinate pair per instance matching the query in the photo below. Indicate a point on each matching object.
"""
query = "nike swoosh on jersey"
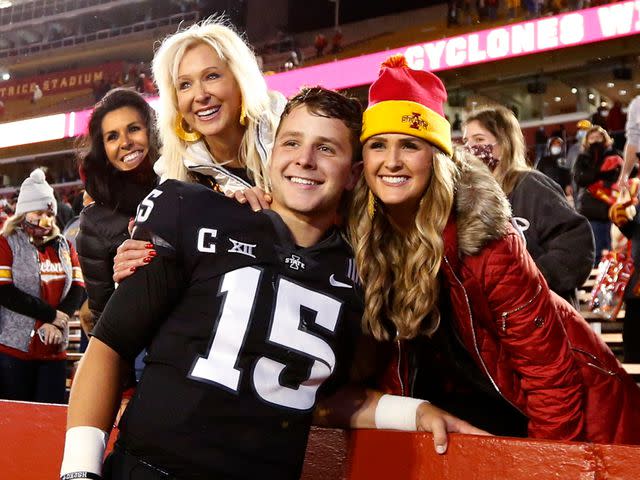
(336, 283)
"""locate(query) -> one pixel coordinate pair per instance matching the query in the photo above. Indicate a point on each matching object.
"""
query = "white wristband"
(397, 413)
(84, 450)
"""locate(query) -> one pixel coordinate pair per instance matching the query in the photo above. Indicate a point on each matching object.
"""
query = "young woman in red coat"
(470, 320)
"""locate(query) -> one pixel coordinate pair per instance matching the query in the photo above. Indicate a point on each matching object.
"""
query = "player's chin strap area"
(83, 452)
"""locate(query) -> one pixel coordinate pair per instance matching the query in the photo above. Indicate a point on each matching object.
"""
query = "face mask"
(555, 150)
(484, 152)
(36, 231)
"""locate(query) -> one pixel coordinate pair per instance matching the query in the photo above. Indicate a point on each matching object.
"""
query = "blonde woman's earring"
(243, 114)
(185, 134)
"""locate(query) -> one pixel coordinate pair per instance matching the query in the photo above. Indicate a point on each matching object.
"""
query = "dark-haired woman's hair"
(102, 180)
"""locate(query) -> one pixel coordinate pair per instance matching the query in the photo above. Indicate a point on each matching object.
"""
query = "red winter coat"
(535, 349)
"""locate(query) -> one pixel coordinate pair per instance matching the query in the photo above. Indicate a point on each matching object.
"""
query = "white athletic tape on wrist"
(397, 413)
(84, 450)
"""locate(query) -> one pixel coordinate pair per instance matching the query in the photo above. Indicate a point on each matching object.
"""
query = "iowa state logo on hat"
(416, 121)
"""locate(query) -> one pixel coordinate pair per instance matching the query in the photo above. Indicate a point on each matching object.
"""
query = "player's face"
(125, 138)
(208, 94)
(397, 168)
(311, 165)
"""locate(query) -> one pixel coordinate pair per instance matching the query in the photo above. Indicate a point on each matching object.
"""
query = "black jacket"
(586, 172)
(559, 239)
(102, 230)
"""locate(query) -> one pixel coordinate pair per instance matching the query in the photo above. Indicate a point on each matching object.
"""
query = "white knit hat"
(36, 194)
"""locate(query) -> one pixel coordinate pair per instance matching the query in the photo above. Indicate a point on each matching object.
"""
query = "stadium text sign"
(525, 38)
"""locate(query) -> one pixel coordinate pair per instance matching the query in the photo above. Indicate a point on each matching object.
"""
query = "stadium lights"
(5, 3)
(574, 90)
(557, 99)
(622, 92)
(6, 76)
(591, 96)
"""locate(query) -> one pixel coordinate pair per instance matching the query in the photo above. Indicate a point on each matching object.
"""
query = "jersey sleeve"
(139, 306)
(157, 218)
(6, 261)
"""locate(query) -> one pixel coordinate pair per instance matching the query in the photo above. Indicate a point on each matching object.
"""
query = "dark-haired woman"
(116, 162)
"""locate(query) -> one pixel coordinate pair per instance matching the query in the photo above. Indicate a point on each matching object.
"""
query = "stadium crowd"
(287, 263)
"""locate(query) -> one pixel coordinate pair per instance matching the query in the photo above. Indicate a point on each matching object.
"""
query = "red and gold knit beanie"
(407, 101)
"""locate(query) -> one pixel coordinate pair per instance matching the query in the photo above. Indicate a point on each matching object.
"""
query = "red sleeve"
(531, 331)
(75, 263)
(6, 262)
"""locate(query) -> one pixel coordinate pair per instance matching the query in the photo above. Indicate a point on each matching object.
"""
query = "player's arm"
(127, 325)
(358, 407)
(93, 403)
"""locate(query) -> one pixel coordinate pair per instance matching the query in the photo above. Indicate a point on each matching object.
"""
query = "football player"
(249, 318)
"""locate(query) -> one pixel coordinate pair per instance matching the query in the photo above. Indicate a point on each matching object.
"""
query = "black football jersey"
(244, 331)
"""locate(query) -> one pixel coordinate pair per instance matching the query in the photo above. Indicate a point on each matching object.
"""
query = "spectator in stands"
(558, 239)
(40, 287)
(583, 127)
(116, 161)
(447, 278)
(37, 94)
(336, 41)
(541, 143)
(320, 43)
(630, 226)
(599, 118)
(554, 165)
(595, 172)
(616, 121)
(513, 7)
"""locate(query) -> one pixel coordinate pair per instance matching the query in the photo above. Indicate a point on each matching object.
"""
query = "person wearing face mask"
(40, 287)
(595, 173)
(559, 239)
(554, 164)
(576, 148)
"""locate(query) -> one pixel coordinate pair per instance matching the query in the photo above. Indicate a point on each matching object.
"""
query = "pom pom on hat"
(36, 194)
(403, 100)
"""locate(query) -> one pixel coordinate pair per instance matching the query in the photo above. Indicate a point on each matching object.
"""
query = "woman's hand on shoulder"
(131, 255)
(430, 418)
(254, 196)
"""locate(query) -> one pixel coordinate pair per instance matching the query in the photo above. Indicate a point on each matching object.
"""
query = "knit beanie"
(36, 194)
(407, 101)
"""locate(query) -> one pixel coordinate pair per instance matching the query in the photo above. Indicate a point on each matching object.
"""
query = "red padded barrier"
(32, 439)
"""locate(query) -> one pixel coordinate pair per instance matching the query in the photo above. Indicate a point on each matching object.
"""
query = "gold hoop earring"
(243, 114)
(371, 205)
(183, 133)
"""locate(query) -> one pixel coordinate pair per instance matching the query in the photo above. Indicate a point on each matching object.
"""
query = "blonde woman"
(216, 118)
(472, 323)
(558, 239)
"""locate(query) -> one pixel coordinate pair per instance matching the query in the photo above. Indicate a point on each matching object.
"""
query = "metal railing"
(40, 47)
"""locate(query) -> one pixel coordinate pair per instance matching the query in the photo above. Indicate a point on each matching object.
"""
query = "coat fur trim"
(483, 212)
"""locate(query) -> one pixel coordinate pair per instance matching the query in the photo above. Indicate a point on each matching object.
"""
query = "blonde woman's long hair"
(231, 48)
(14, 223)
(399, 271)
(503, 125)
